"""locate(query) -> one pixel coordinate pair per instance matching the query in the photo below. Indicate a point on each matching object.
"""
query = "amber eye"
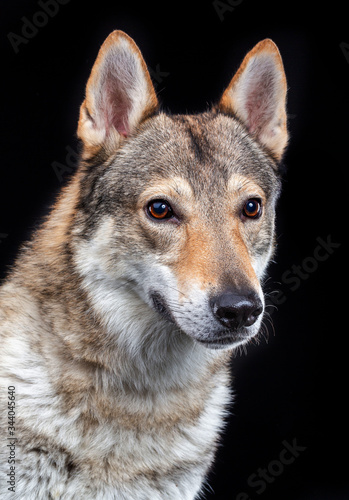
(252, 208)
(160, 209)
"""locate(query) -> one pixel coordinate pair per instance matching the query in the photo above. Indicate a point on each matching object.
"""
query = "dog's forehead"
(210, 149)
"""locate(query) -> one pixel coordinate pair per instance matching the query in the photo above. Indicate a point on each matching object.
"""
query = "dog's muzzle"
(222, 320)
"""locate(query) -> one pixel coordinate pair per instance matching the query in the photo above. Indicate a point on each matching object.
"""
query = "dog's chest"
(169, 445)
(187, 421)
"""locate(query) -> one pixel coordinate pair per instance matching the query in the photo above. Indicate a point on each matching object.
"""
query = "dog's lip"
(161, 306)
(231, 339)
(235, 337)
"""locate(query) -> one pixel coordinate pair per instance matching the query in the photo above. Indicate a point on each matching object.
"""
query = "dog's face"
(180, 209)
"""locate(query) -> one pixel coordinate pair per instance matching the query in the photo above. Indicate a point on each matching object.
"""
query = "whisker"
(268, 319)
(179, 291)
(127, 282)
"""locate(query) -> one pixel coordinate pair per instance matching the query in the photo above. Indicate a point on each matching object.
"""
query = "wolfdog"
(120, 315)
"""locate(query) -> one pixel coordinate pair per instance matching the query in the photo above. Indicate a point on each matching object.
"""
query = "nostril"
(226, 313)
(235, 310)
(252, 317)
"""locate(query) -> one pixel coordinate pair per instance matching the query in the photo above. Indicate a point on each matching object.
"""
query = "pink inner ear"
(116, 106)
(260, 96)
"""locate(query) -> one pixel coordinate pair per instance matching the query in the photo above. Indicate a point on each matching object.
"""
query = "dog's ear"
(119, 95)
(257, 95)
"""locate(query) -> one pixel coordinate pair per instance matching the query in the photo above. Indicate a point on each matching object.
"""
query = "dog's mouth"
(161, 306)
(210, 337)
(224, 340)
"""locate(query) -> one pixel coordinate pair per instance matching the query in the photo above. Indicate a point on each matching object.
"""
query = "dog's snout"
(236, 309)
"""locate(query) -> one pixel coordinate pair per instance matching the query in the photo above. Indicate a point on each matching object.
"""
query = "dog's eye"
(160, 209)
(252, 208)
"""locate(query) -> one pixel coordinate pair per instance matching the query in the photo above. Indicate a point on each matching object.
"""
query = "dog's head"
(178, 211)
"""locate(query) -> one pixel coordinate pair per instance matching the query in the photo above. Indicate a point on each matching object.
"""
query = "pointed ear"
(257, 95)
(119, 95)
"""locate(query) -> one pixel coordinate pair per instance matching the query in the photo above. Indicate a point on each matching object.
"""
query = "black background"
(292, 387)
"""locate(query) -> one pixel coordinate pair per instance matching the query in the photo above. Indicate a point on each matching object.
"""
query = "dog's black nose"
(235, 310)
